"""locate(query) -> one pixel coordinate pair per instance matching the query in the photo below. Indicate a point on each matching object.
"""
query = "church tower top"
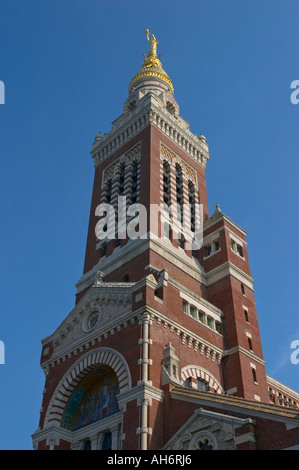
(151, 68)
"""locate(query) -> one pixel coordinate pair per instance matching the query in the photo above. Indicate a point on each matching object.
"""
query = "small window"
(216, 246)
(217, 327)
(201, 317)
(187, 383)
(208, 250)
(210, 322)
(202, 385)
(242, 289)
(254, 375)
(170, 107)
(192, 311)
(185, 307)
(246, 316)
(250, 344)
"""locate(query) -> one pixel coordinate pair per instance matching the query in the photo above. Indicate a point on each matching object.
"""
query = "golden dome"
(151, 66)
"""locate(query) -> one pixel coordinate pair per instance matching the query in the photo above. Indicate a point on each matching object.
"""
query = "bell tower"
(153, 311)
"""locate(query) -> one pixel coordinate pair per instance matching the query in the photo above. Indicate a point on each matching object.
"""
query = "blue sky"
(66, 66)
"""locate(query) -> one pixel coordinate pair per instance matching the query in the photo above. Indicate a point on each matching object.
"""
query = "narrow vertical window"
(122, 179)
(134, 183)
(192, 311)
(240, 250)
(166, 197)
(179, 192)
(191, 192)
(216, 245)
(166, 183)
(208, 250)
(246, 316)
(109, 191)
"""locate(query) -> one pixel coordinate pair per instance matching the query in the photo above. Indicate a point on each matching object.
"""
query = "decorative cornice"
(150, 110)
(187, 337)
(86, 343)
(101, 294)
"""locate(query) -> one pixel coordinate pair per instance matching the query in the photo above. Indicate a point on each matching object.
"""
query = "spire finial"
(151, 66)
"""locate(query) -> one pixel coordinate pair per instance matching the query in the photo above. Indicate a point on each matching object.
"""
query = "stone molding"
(150, 110)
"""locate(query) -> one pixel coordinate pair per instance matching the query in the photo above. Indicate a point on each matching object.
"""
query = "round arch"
(80, 368)
(198, 372)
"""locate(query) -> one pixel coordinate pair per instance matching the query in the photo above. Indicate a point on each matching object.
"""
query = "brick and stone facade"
(162, 349)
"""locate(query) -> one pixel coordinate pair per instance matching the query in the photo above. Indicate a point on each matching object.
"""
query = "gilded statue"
(153, 43)
(151, 65)
(151, 60)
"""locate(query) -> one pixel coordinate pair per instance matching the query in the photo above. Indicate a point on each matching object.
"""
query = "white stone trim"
(78, 370)
(199, 372)
(229, 269)
(202, 307)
